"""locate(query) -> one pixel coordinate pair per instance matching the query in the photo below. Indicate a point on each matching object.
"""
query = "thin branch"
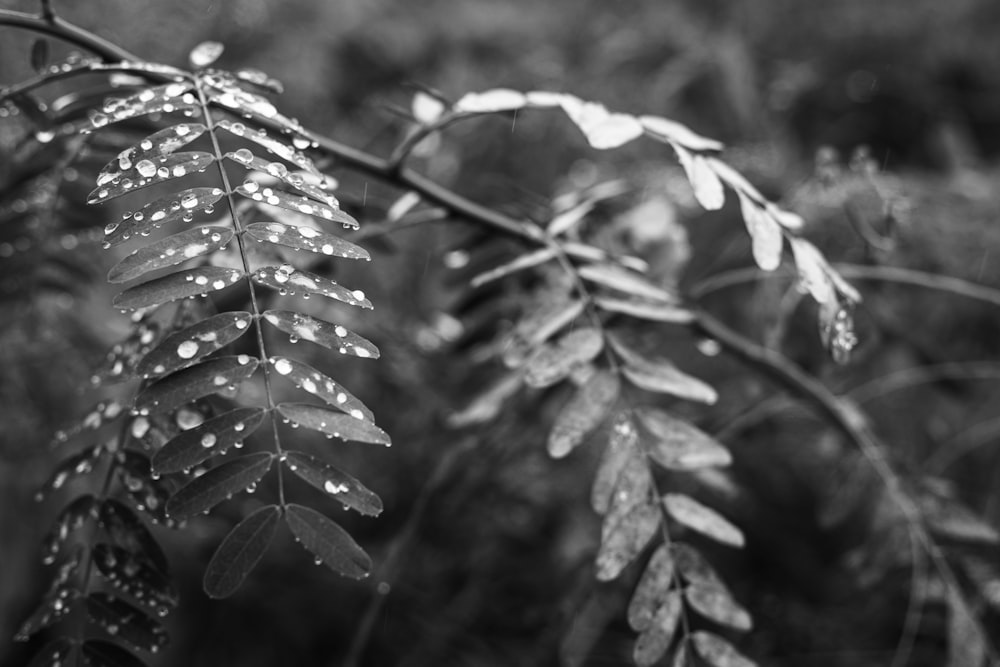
(67, 32)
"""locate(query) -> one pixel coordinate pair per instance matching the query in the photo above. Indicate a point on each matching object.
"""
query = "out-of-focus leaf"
(276, 147)
(55, 605)
(186, 347)
(240, 551)
(81, 463)
(150, 171)
(323, 205)
(589, 622)
(623, 541)
(623, 445)
(677, 445)
(195, 382)
(135, 576)
(490, 101)
(226, 90)
(426, 109)
(305, 238)
(814, 272)
(208, 490)
(102, 653)
(334, 424)
(259, 79)
(128, 531)
(652, 590)
(332, 336)
(170, 251)
(717, 652)
(694, 568)
(178, 285)
(705, 182)
(96, 417)
(126, 622)
(766, 239)
(327, 541)
(308, 378)
(603, 129)
(583, 413)
(168, 98)
(705, 520)
(180, 206)
(336, 483)
(653, 311)
(72, 517)
(205, 54)
(966, 643)
(289, 279)
(948, 518)
(488, 404)
(621, 280)
(717, 604)
(654, 640)
(519, 263)
(537, 327)
(675, 133)
(149, 494)
(212, 438)
(55, 654)
(660, 376)
(553, 362)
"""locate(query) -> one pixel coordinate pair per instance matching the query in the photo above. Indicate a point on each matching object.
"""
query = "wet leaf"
(664, 378)
(101, 653)
(622, 446)
(240, 551)
(57, 603)
(71, 518)
(324, 204)
(678, 445)
(97, 416)
(170, 251)
(718, 605)
(675, 133)
(327, 334)
(645, 310)
(519, 263)
(139, 161)
(149, 495)
(652, 590)
(126, 622)
(151, 171)
(308, 378)
(205, 54)
(188, 346)
(212, 438)
(289, 279)
(603, 129)
(717, 652)
(624, 540)
(691, 513)
(195, 382)
(537, 327)
(135, 576)
(766, 238)
(80, 463)
(583, 413)
(332, 423)
(305, 238)
(168, 98)
(655, 639)
(276, 147)
(339, 485)
(327, 541)
(705, 182)
(55, 654)
(225, 90)
(622, 280)
(490, 101)
(487, 404)
(128, 531)
(220, 483)
(180, 206)
(814, 272)
(178, 285)
(552, 362)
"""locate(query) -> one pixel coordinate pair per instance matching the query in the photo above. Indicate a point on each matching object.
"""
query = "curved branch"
(54, 26)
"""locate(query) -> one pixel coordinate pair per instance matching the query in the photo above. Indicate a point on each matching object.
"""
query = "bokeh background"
(484, 552)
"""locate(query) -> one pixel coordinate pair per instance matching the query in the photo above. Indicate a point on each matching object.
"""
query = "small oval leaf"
(160, 170)
(652, 590)
(645, 310)
(205, 54)
(552, 362)
(138, 161)
(240, 551)
(220, 483)
(622, 280)
(334, 424)
(337, 484)
(519, 263)
(664, 378)
(705, 182)
(327, 334)
(308, 378)
(765, 234)
(689, 512)
(678, 445)
(622, 445)
(623, 541)
(212, 438)
(287, 277)
(717, 604)
(170, 251)
(126, 622)
(675, 133)
(192, 383)
(327, 541)
(188, 346)
(583, 413)
(180, 206)
(305, 238)
(490, 101)
(717, 652)
(657, 636)
(170, 97)
(179, 285)
(276, 147)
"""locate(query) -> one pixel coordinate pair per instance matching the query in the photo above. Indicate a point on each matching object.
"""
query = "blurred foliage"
(497, 542)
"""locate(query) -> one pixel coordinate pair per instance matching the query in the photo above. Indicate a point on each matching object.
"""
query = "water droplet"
(208, 440)
(146, 168)
(187, 349)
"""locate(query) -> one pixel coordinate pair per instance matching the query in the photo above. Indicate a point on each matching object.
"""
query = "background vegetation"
(484, 553)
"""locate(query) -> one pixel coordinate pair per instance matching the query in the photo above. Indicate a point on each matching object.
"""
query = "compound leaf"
(240, 551)
(327, 541)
